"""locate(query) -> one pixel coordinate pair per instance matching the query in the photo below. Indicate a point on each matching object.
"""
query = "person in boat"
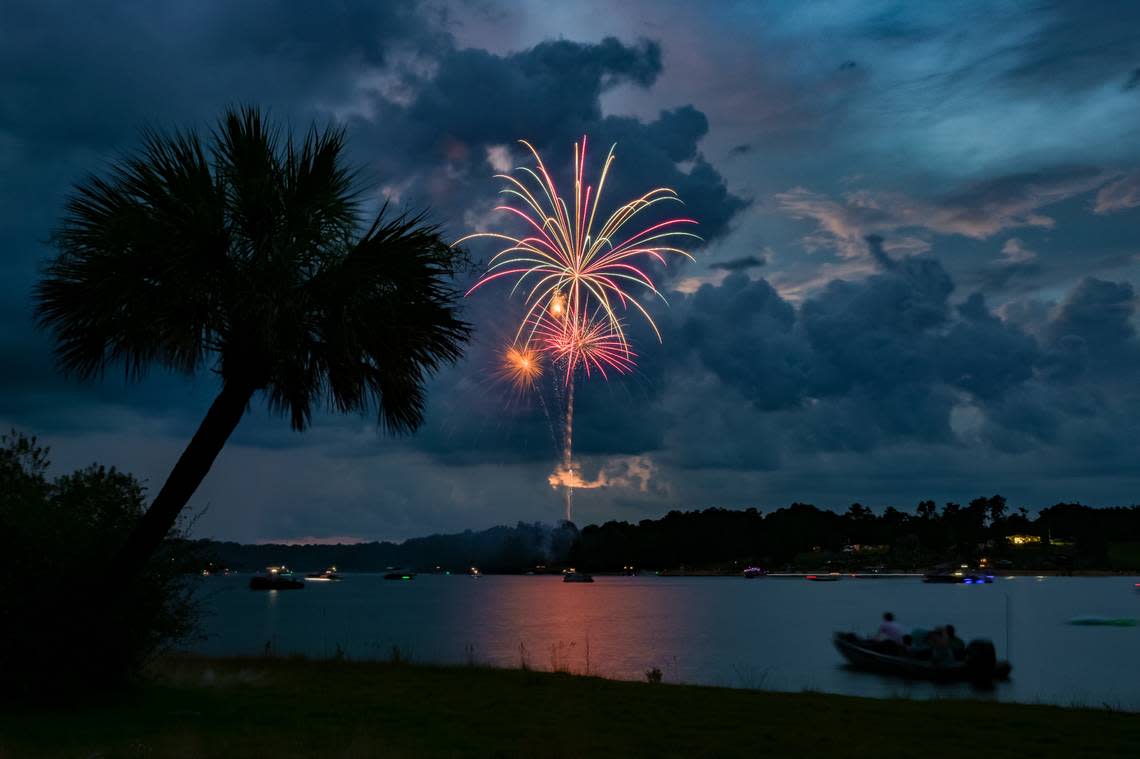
(889, 637)
(941, 654)
(889, 629)
(920, 643)
(957, 645)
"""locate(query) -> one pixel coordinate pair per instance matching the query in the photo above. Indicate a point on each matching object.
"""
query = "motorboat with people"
(573, 575)
(329, 575)
(945, 574)
(977, 663)
(276, 578)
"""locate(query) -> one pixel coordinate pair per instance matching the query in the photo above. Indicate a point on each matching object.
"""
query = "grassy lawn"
(285, 708)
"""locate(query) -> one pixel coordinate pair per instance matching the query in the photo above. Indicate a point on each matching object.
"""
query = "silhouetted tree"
(57, 637)
(996, 508)
(242, 254)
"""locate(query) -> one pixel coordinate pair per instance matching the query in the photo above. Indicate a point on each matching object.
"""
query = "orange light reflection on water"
(605, 628)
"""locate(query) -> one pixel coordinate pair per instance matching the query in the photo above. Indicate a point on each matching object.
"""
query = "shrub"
(67, 627)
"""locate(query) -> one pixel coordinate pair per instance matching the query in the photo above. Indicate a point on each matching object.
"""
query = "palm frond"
(138, 253)
(390, 320)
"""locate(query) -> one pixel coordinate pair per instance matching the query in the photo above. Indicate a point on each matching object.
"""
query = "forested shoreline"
(1062, 538)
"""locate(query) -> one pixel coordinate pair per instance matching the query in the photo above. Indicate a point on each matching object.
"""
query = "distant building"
(1023, 540)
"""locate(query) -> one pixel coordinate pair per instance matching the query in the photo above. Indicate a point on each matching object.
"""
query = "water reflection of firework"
(576, 278)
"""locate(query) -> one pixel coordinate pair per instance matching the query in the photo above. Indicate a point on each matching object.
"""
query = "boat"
(830, 577)
(474, 572)
(629, 570)
(212, 569)
(1093, 621)
(980, 664)
(573, 575)
(276, 578)
(963, 575)
(400, 575)
(329, 575)
(754, 572)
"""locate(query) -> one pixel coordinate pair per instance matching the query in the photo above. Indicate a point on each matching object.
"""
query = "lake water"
(766, 633)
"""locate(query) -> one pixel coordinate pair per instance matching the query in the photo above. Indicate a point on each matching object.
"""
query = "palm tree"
(244, 253)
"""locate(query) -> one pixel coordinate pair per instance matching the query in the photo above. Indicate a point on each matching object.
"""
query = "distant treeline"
(499, 549)
(801, 536)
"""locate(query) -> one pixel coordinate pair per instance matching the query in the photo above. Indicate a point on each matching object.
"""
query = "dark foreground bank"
(286, 708)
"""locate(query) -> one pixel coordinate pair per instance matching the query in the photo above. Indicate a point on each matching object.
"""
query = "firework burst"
(591, 345)
(578, 277)
(521, 367)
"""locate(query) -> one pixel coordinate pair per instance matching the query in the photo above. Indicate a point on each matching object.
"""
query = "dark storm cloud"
(983, 355)
(888, 359)
(1098, 312)
(89, 75)
(551, 90)
(1092, 336)
(550, 95)
(1083, 392)
(743, 331)
(875, 331)
(1009, 276)
(744, 263)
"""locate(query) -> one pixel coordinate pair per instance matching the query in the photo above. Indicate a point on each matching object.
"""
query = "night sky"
(918, 279)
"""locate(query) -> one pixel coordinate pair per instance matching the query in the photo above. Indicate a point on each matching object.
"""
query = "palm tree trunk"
(192, 467)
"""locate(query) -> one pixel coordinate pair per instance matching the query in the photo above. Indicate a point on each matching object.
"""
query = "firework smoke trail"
(575, 278)
(568, 449)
